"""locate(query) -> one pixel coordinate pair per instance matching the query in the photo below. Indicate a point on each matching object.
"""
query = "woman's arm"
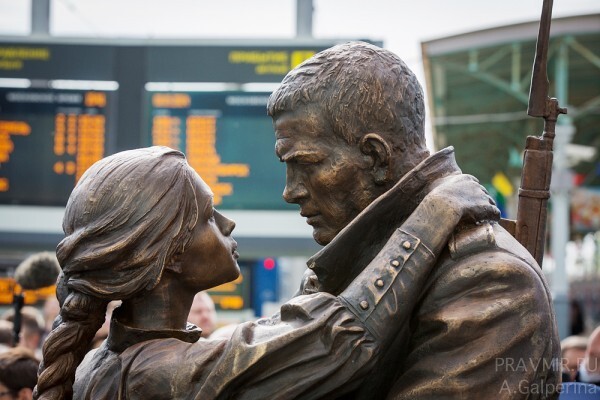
(321, 344)
(324, 344)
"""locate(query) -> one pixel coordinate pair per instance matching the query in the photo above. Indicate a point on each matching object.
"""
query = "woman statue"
(140, 227)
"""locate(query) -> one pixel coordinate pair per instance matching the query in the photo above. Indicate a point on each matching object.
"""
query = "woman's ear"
(379, 150)
(174, 264)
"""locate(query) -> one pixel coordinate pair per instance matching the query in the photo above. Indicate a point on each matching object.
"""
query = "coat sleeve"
(314, 348)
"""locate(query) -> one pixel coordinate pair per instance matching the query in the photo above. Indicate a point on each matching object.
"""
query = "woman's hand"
(463, 199)
(456, 200)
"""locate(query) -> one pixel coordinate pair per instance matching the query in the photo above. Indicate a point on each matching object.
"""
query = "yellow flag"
(502, 184)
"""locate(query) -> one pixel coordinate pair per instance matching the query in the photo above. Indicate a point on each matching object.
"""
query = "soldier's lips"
(311, 219)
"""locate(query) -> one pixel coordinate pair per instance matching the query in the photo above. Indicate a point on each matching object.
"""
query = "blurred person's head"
(102, 333)
(51, 310)
(572, 353)
(32, 326)
(592, 357)
(203, 314)
(18, 374)
(6, 332)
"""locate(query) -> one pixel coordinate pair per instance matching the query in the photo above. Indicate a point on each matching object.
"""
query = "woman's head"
(210, 258)
(129, 215)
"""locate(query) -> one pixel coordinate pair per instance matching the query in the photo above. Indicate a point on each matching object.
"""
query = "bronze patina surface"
(349, 125)
(418, 293)
(140, 227)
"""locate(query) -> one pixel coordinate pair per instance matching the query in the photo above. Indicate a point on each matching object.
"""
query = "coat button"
(406, 245)
(364, 305)
(395, 263)
(379, 283)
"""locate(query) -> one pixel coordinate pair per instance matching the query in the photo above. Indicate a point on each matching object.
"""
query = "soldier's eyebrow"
(303, 156)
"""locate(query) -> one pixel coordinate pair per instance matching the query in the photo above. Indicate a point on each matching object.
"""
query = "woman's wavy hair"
(130, 215)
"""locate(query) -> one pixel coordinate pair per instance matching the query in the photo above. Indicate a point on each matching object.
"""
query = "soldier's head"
(349, 123)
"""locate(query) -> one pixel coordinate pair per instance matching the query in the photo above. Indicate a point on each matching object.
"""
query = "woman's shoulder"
(98, 374)
(154, 369)
(168, 368)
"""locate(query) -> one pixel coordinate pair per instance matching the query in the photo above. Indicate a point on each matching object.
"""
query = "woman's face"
(211, 257)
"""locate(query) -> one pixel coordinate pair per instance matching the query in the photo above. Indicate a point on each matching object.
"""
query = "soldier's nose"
(294, 193)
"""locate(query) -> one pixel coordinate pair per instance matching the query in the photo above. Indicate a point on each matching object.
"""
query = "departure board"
(234, 295)
(48, 139)
(227, 138)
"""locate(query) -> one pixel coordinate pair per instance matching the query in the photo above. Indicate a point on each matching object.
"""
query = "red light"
(269, 263)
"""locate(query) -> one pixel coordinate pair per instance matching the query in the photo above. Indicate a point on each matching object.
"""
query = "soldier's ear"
(380, 152)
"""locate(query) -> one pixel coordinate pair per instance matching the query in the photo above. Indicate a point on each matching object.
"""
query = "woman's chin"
(235, 273)
(232, 274)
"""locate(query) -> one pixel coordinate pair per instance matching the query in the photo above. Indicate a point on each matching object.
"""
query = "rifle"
(534, 192)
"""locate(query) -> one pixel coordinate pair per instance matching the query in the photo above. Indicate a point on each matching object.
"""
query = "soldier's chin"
(323, 236)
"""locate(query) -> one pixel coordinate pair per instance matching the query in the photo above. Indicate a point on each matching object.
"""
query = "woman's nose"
(226, 225)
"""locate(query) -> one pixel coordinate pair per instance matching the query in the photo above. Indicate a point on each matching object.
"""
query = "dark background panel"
(236, 64)
(30, 168)
(244, 135)
(244, 131)
(57, 61)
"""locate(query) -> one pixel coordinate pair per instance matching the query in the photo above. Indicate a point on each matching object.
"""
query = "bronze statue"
(349, 125)
(140, 227)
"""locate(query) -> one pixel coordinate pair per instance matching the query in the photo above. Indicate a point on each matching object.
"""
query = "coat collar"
(338, 263)
(122, 336)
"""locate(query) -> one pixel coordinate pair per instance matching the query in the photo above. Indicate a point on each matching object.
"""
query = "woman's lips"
(234, 252)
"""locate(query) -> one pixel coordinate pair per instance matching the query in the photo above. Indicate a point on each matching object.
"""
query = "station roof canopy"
(478, 87)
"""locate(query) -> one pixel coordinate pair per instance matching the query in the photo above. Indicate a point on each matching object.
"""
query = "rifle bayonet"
(534, 192)
(538, 91)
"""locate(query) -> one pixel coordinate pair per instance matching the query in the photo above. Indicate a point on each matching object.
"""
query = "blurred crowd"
(19, 364)
(581, 358)
(19, 361)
